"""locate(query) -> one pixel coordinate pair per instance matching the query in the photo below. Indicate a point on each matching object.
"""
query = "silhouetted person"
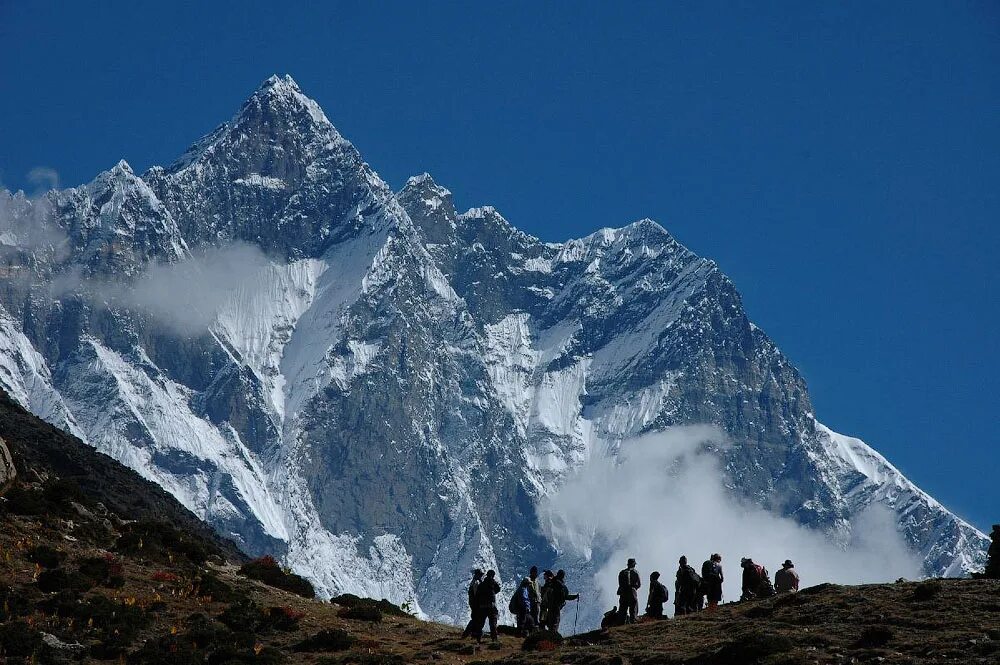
(658, 595)
(486, 602)
(628, 592)
(686, 588)
(786, 580)
(712, 578)
(558, 596)
(477, 576)
(993, 561)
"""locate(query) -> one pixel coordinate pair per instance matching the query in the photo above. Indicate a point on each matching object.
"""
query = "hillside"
(99, 564)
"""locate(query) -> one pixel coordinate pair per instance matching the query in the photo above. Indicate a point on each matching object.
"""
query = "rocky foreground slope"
(99, 565)
(385, 392)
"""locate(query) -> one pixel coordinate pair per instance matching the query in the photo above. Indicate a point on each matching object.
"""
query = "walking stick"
(577, 614)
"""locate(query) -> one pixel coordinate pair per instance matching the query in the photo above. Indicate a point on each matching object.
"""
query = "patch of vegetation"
(14, 602)
(752, 648)
(926, 590)
(266, 570)
(45, 556)
(331, 639)
(159, 541)
(542, 640)
(358, 658)
(873, 637)
(349, 600)
(209, 585)
(19, 640)
(59, 579)
(361, 613)
(104, 571)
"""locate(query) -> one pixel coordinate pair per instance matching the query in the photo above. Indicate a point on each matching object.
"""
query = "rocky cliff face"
(386, 393)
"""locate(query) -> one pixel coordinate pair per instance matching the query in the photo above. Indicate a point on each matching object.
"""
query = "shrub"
(25, 501)
(361, 613)
(875, 636)
(159, 541)
(13, 603)
(331, 639)
(211, 586)
(926, 591)
(58, 579)
(383, 606)
(45, 556)
(283, 618)
(104, 571)
(542, 640)
(165, 576)
(19, 640)
(266, 570)
(243, 616)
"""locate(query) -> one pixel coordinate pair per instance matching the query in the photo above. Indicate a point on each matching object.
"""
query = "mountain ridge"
(388, 346)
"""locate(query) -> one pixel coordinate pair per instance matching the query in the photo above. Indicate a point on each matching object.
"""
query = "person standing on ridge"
(628, 592)
(686, 587)
(712, 578)
(486, 601)
(477, 576)
(520, 606)
(536, 590)
(546, 597)
(558, 597)
(658, 595)
(786, 580)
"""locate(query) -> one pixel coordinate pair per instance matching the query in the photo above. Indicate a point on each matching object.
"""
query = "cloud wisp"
(664, 495)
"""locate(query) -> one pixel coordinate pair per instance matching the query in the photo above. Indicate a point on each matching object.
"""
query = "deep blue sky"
(840, 161)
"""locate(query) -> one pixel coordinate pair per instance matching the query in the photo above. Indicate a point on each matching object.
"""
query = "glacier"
(386, 399)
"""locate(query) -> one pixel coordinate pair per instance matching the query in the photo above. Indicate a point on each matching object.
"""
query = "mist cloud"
(664, 496)
(184, 296)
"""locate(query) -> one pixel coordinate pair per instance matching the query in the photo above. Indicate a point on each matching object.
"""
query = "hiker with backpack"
(477, 576)
(786, 580)
(520, 606)
(687, 588)
(756, 580)
(628, 592)
(658, 595)
(536, 592)
(556, 599)
(486, 603)
(712, 578)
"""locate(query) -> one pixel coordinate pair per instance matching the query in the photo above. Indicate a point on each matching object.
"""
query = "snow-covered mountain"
(382, 390)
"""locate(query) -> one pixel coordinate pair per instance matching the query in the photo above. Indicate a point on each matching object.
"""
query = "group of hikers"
(534, 605)
(691, 590)
(539, 605)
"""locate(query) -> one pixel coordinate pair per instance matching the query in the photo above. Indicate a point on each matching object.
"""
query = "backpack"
(764, 587)
(515, 603)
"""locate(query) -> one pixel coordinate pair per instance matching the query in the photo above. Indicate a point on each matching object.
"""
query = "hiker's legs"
(713, 605)
(555, 616)
(494, 616)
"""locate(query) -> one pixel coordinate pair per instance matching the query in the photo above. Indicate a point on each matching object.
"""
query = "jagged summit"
(393, 358)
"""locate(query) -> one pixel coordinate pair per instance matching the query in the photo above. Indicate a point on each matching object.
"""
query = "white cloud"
(663, 496)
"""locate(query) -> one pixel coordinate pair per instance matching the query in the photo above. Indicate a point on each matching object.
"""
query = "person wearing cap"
(658, 595)
(711, 575)
(477, 576)
(786, 580)
(628, 592)
(546, 598)
(486, 603)
(558, 595)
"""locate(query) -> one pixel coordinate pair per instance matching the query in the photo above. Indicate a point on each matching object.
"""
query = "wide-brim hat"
(788, 564)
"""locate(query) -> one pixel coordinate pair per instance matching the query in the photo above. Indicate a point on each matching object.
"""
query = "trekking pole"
(577, 614)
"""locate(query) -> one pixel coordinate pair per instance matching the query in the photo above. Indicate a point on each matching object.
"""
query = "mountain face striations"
(388, 388)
